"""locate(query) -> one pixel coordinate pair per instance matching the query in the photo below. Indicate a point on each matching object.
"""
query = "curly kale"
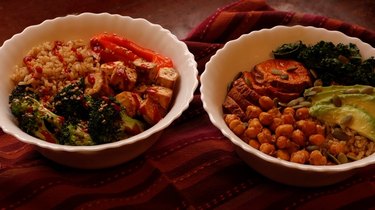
(333, 63)
(366, 71)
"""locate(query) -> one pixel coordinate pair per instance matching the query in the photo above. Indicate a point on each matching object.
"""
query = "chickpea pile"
(286, 133)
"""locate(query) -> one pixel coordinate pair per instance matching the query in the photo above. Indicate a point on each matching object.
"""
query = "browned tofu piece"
(151, 74)
(147, 69)
(143, 65)
(160, 94)
(166, 77)
(122, 77)
(131, 101)
(107, 69)
(97, 84)
(151, 111)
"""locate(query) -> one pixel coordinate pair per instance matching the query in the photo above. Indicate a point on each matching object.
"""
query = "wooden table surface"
(179, 16)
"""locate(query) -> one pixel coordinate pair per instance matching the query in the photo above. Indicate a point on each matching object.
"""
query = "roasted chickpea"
(251, 132)
(298, 137)
(320, 129)
(230, 117)
(301, 156)
(317, 139)
(302, 113)
(282, 154)
(301, 124)
(265, 136)
(308, 127)
(282, 142)
(267, 148)
(237, 126)
(288, 119)
(255, 123)
(265, 118)
(254, 143)
(275, 112)
(306, 153)
(289, 110)
(317, 158)
(275, 123)
(336, 147)
(284, 130)
(266, 103)
(253, 111)
(292, 147)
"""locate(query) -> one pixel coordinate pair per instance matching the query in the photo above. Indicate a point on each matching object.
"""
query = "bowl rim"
(247, 148)
(158, 127)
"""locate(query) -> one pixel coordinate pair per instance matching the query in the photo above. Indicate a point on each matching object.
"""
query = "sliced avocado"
(360, 101)
(362, 121)
(320, 93)
(335, 104)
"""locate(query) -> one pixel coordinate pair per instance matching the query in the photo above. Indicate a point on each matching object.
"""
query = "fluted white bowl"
(83, 26)
(243, 54)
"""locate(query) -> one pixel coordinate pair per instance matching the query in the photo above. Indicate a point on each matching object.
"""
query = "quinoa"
(50, 66)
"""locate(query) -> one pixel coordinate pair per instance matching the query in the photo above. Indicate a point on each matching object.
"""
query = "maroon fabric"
(192, 166)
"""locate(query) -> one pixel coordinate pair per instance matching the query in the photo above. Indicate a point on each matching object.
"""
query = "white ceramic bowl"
(84, 26)
(242, 54)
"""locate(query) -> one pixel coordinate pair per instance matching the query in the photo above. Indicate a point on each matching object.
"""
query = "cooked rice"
(53, 65)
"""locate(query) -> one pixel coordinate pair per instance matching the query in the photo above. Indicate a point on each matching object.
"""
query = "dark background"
(179, 16)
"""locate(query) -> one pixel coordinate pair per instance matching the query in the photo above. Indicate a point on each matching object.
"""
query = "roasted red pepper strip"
(142, 52)
(110, 51)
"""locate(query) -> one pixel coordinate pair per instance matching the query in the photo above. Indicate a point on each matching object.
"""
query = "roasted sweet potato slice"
(244, 89)
(286, 75)
(230, 106)
(239, 98)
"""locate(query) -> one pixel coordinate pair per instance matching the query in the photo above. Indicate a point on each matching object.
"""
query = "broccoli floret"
(102, 117)
(33, 117)
(17, 97)
(70, 102)
(108, 121)
(75, 133)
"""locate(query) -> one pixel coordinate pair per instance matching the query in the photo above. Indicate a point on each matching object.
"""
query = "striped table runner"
(192, 166)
